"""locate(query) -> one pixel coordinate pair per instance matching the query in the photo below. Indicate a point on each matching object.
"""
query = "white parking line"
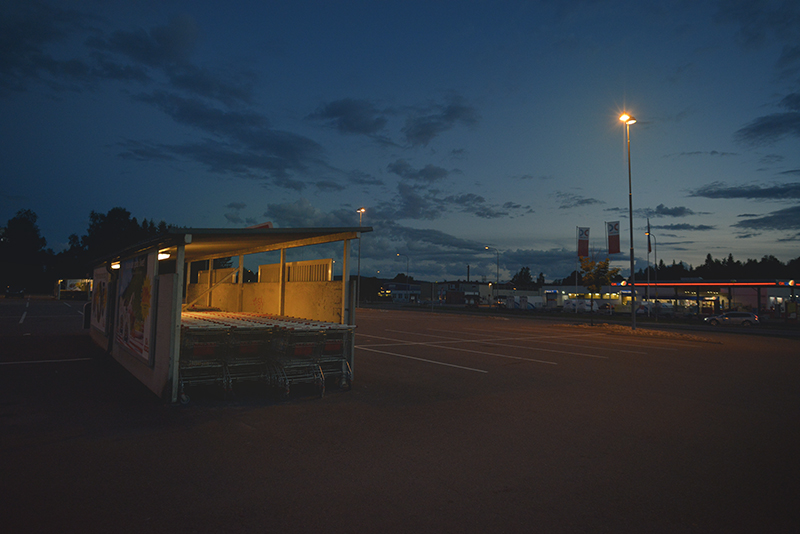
(443, 345)
(78, 310)
(422, 360)
(23, 317)
(47, 361)
(526, 338)
(572, 336)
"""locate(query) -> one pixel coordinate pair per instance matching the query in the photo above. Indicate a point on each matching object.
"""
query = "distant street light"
(628, 120)
(358, 284)
(408, 278)
(655, 265)
(497, 274)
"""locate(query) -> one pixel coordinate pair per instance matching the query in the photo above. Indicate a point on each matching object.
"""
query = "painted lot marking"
(647, 342)
(21, 319)
(422, 359)
(495, 342)
(47, 361)
(443, 345)
(73, 308)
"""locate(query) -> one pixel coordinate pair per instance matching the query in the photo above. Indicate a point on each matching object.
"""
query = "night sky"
(457, 125)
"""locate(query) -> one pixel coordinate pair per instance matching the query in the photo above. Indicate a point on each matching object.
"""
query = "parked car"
(15, 292)
(733, 318)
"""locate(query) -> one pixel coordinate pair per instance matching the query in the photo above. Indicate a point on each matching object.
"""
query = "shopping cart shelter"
(173, 321)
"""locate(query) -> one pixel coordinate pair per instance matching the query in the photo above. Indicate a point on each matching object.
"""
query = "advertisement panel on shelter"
(134, 325)
(99, 298)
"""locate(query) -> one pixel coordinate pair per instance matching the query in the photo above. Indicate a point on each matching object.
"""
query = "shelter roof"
(211, 243)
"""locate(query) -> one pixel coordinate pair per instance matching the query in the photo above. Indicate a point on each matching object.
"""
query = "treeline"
(767, 268)
(25, 260)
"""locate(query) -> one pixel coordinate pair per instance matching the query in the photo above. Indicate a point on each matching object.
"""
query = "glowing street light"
(628, 120)
(655, 263)
(408, 278)
(407, 261)
(497, 274)
(360, 212)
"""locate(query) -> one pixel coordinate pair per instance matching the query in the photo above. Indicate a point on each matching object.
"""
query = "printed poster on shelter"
(99, 299)
(134, 324)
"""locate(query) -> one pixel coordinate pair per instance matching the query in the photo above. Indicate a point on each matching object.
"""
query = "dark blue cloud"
(429, 173)
(684, 227)
(784, 219)
(329, 185)
(663, 211)
(770, 128)
(774, 192)
(162, 46)
(352, 116)
(427, 123)
(571, 200)
(302, 214)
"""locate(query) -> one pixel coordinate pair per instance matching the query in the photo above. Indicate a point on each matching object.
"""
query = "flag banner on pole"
(649, 249)
(613, 237)
(583, 242)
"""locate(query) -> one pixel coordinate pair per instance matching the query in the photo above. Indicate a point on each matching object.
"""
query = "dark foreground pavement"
(508, 435)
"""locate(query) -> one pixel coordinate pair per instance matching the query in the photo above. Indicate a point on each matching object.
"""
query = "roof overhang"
(211, 243)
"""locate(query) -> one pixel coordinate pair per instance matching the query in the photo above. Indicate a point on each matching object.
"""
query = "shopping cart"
(202, 357)
(334, 358)
(296, 353)
(248, 356)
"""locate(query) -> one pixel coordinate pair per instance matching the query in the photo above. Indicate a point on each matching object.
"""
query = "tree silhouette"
(25, 261)
(23, 258)
(107, 234)
(596, 274)
(522, 279)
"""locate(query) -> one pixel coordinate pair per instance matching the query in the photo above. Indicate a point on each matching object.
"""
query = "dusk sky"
(457, 125)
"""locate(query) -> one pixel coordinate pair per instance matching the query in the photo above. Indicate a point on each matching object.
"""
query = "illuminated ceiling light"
(163, 255)
(115, 265)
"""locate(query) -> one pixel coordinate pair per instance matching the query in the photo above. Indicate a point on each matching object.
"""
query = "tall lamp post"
(408, 278)
(360, 212)
(497, 275)
(655, 265)
(628, 120)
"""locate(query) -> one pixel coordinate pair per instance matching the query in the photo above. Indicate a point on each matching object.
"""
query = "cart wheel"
(345, 383)
(184, 399)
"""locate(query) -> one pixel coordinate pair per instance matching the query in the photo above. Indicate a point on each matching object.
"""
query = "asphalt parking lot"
(454, 424)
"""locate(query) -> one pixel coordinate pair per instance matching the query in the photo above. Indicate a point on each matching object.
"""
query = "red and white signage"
(613, 237)
(583, 242)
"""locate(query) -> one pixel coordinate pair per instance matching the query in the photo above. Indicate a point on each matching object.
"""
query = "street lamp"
(360, 212)
(655, 264)
(497, 274)
(408, 278)
(628, 120)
